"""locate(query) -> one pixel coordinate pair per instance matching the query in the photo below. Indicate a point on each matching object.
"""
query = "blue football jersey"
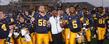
(4, 33)
(74, 23)
(41, 23)
(101, 20)
(88, 20)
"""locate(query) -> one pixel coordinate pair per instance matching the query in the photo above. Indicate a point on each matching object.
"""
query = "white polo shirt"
(55, 25)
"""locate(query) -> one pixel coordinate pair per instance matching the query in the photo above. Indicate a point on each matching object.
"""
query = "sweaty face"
(21, 19)
(54, 13)
(85, 12)
(100, 10)
(72, 10)
(42, 9)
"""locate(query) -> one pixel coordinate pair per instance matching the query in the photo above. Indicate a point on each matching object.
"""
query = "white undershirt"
(55, 25)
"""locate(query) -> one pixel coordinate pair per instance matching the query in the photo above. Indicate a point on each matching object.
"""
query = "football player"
(87, 24)
(74, 24)
(101, 26)
(24, 38)
(10, 39)
(41, 29)
(28, 19)
(5, 31)
(66, 29)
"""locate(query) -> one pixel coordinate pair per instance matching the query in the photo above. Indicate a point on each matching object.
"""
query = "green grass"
(106, 42)
(94, 41)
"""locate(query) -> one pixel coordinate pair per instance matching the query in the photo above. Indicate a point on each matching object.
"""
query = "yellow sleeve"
(4, 27)
(94, 16)
(81, 18)
(66, 21)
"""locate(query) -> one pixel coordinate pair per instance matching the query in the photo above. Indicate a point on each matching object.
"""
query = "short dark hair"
(45, 6)
(72, 6)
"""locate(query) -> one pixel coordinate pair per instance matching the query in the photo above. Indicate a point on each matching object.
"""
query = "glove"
(84, 24)
(91, 28)
(16, 34)
(8, 39)
(4, 27)
(32, 19)
(78, 36)
(24, 31)
(27, 37)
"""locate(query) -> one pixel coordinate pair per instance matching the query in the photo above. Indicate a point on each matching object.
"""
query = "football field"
(94, 41)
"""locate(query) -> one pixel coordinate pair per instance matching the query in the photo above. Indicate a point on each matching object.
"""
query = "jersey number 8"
(101, 21)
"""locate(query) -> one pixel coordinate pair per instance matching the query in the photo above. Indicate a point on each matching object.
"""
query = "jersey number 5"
(41, 22)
